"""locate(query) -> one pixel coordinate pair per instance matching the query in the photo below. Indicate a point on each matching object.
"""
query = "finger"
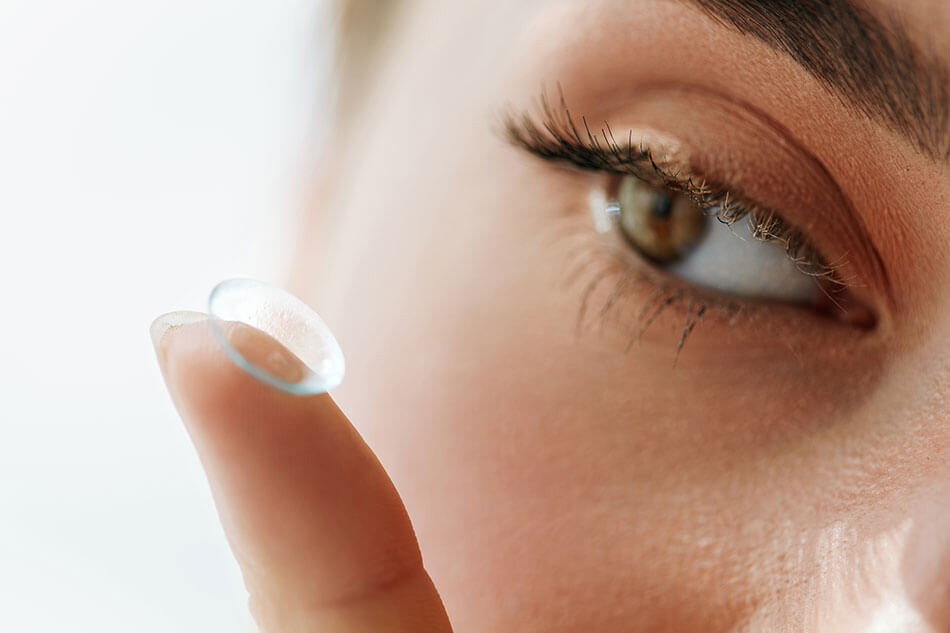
(320, 533)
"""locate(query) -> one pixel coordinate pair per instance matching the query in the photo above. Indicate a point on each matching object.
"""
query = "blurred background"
(148, 149)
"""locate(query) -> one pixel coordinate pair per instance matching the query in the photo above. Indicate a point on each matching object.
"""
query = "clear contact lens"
(314, 363)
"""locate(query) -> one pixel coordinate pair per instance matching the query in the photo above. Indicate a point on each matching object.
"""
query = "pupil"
(662, 205)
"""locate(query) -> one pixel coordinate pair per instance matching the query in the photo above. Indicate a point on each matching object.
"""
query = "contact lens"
(310, 360)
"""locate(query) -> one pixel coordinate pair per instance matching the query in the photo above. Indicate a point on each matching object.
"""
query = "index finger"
(321, 535)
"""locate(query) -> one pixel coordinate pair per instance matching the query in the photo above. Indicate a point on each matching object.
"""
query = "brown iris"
(662, 225)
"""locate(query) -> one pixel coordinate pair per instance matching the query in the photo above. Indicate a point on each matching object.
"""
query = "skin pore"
(789, 473)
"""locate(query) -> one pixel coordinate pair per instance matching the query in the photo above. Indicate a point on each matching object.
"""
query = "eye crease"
(710, 245)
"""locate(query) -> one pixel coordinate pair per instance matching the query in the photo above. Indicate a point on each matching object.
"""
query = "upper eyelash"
(559, 139)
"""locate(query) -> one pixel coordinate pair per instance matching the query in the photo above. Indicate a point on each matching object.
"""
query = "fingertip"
(217, 398)
(169, 321)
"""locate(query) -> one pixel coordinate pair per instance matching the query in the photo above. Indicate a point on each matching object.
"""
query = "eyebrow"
(869, 62)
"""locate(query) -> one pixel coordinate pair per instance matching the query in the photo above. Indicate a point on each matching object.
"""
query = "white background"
(148, 149)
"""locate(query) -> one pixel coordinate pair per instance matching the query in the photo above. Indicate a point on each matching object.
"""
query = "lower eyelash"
(638, 295)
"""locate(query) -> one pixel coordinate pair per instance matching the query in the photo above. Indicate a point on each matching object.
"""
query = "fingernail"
(161, 325)
(275, 337)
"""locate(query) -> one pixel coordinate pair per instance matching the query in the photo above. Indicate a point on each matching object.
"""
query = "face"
(687, 372)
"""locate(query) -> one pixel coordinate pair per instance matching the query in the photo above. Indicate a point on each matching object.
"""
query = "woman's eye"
(657, 211)
(671, 231)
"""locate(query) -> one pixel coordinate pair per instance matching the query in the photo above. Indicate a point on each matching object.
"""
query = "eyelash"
(557, 138)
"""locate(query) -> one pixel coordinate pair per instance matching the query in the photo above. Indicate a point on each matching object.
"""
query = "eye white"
(730, 259)
(727, 258)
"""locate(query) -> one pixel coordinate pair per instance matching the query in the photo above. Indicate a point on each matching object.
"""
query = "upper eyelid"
(561, 140)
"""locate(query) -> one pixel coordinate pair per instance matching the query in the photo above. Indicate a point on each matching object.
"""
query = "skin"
(790, 473)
